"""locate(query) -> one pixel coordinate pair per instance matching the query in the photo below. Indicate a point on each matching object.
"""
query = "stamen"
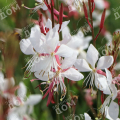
(40, 72)
(48, 75)
(43, 73)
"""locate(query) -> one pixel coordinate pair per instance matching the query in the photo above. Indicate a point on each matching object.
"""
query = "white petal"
(1, 77)
(109, 76)
(65, 31)
(35, 37)
(44, 7)
(26, 47)
(92, 55)
(49, 24)
(44, 64)
(82, 54)
(64, 51)
(64, 24)
(68, 62)
(51, 44)
(45, 76)
(103, 85)
(66, 39)
(75, 43)
(13, 116)
(52, 32)
(82, 65)
(114, 91)
(105, 62)
(86, 42)
(22, 90)
(87, 117)
(7, 83)
(33, 99)
(113, 110)
(73, 74)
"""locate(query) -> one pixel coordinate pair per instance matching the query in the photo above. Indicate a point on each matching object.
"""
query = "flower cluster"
(56, 57)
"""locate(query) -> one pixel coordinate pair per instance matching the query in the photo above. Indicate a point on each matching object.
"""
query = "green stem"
(68, 93)
(98, 100)
(57, 101)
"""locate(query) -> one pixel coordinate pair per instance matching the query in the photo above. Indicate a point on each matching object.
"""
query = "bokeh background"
(12, 60)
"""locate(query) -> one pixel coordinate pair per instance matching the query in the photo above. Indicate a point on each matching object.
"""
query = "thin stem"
(68, 93)
(57, 101)
(90, 11)
(52, 14)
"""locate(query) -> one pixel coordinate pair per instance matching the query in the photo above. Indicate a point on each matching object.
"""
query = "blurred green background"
(20, 19)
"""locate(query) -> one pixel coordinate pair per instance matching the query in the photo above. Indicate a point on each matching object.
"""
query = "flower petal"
(73, 74)
(109, 77)
(49, 24)
(114, 91)
(68, 62)
(44, 77)
(64, 51)
(13, 116)
(87, 117)
(66, 39)
(103, 85)
(26, 47)
(35, 37)
(44, 64)
(105, 62)
(22, 90)
(113, 110)
(92, 55)
(82, 65)
(52, 43)
(64, 24)
(33, 99)
(44, 7)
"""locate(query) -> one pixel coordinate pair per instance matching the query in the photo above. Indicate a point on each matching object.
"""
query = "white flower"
(25, 107)
(5, 85)
(100, 4)
(92, 58)
(79, 43)
(57, 77)
(109, 89)
(32, 46)
(44, 48)
(53, 51)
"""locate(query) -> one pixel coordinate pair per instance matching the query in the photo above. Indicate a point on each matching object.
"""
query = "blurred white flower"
(23, 107)
(5, 85)
(79, 43)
